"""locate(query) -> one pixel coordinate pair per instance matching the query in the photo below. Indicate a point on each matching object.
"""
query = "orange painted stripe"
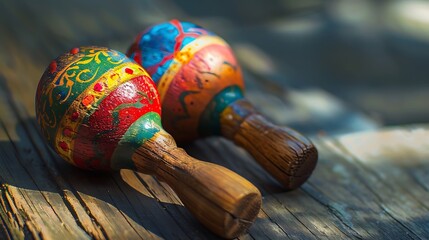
(183, 57)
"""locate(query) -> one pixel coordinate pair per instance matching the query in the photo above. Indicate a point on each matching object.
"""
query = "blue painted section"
(157, 44)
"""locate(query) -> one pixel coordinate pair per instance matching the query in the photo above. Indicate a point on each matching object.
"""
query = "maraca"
(201, 88)
(99, 110)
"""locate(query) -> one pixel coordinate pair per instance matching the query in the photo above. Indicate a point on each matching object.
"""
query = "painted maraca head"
(198, 72)
(91, 104)
(201, 89)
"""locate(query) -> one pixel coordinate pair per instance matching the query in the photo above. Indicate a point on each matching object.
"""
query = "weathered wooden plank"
(30, 194)
(366, 186)
(358, 196)
(397, 159)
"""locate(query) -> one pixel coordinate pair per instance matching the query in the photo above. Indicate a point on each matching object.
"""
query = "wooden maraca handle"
(223, 201)
(284, 153)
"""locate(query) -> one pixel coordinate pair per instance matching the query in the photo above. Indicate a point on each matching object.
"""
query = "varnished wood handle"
(287, 155)
(223, 201)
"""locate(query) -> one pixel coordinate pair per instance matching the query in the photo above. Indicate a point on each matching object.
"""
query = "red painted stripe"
(100, 133)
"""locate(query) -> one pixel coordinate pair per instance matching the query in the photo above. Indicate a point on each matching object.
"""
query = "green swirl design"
(69, 81)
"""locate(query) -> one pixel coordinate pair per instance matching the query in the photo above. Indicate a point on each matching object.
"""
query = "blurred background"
(372, 56)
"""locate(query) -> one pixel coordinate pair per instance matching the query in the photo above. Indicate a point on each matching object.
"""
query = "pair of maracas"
(100, 110)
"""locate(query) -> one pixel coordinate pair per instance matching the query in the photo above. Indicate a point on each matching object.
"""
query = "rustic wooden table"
(370, 184)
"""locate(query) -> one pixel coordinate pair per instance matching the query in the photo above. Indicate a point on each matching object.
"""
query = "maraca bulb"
(92, 98)
(201, 90)
(196, 74)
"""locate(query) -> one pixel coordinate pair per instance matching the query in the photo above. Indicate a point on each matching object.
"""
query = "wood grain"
(286, 154)
(223, 201)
